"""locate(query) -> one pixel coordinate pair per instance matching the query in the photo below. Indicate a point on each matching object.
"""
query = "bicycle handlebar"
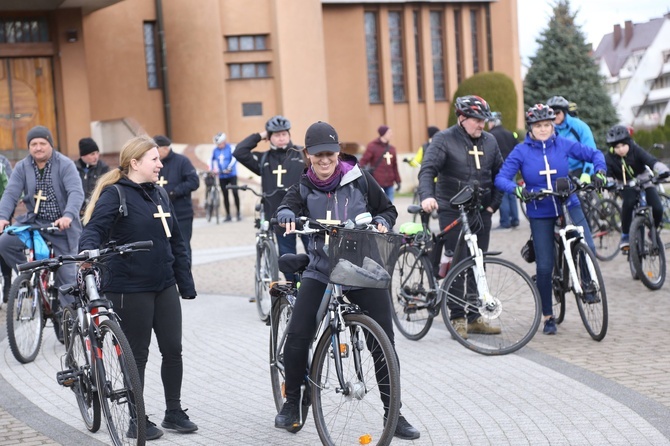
(34, 227)
(259, 195)
(306, 222)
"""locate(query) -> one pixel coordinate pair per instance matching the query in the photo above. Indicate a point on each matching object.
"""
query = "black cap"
(86, 146)
(40, 132)
(162, 141)
(321, 137)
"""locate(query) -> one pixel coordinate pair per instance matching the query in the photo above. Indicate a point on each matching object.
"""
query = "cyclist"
(224, 163)
(330, 187)
(416, 160)
(570, 126)
(52, 193)
(627, 160)
(542, 158)
(279, 168)
(460, 155)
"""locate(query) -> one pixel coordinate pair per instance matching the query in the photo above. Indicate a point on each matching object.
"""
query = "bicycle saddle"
(293, 263)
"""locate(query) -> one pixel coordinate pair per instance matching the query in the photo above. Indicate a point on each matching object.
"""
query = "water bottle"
(445, 263)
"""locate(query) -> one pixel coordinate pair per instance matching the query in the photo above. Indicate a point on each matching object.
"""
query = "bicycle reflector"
(344, 351)
(365, 439)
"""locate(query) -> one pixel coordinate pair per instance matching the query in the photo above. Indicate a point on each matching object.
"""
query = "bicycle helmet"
(617, 134)
(473, 107)
(496, 118)
(277, 124)
(558, 102)
(219, 138)
(539, 112)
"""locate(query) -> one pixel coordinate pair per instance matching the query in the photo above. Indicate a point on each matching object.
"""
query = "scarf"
(331, 183)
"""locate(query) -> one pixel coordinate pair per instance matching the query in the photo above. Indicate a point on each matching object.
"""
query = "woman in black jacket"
(143, 287)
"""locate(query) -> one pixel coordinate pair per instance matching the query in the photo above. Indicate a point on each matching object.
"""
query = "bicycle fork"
(488, 302)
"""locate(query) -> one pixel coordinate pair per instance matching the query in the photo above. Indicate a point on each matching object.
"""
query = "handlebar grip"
(35, 264)
(145, 244)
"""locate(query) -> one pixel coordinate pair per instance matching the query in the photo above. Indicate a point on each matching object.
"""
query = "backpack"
(123, 207)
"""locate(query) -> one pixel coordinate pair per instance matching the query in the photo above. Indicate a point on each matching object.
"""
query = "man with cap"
(381, 161)
(52, 194)
(90, 167)
(179, 178)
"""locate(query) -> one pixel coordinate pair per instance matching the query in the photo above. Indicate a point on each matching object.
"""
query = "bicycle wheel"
(514, 312)
(363, 407)
(648, 257)
(592, 304)
(208, 205)
(560, 282)
(604, 221)
(413, 289)
(665, 201)
(25, 323)
(267, 271)
(76, 362)
(119, 386)
(281, 313)
(216, 204)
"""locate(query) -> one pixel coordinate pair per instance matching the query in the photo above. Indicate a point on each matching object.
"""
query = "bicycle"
(603, 217)
(32, 300)
(646, 253)
(212, 200)
(351, 348)
(98, 364)
(266, 270)
(576, 268)
(497, 289)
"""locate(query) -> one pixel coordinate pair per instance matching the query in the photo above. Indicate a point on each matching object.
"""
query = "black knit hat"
(162, 141)
(40, 132)
(86, 146)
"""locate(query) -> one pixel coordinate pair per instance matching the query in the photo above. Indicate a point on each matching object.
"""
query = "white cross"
(279, 171)
(38, 199)
(162, 182)
(547, 172)
(388, 157)
(476, 154)
(162, 215)
(328, 221)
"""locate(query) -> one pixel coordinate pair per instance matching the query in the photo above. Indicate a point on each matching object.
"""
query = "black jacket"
(152, 271)
(291, 159)
(448, 160)
(89, 176)
(636, 159)
(182, 179)
(505, 138)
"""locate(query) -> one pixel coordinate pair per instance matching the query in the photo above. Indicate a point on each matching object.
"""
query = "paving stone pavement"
(558, 390)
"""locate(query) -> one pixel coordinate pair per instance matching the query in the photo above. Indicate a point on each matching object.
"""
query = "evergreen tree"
(563, 66)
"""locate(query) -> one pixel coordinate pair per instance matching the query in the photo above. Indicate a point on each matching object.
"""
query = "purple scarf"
(333, 181)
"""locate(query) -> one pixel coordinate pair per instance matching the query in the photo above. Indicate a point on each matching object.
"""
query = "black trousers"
(141, 313)
(223, 182)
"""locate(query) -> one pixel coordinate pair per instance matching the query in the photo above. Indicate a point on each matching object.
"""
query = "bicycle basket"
(362, 259)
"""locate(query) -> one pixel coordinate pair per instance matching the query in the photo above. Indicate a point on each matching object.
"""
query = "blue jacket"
(222, 159)
(528, 158)
(577, 130)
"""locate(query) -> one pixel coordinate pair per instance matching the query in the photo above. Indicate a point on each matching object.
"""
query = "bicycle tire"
(605, 225)
(517, 309)
(413, 289)
(648, 258)
(216, 204)
(281, 313)
(560, 283)
(119, 386)
(592, 311)
(25, 320)
(267, 271)
(77, 361)
(359, 415)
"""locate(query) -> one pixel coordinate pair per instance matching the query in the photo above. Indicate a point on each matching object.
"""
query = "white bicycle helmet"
(219, 138)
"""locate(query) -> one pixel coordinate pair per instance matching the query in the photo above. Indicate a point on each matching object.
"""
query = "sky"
(596, 18)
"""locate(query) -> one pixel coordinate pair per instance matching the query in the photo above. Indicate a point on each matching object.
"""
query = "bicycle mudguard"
(410, 228)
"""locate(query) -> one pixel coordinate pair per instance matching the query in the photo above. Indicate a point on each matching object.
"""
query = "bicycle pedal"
(67, 378)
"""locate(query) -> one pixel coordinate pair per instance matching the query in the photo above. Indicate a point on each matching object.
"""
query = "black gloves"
(285, 216)
(599, 179)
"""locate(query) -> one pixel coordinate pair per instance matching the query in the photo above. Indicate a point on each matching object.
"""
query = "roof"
(643, 36)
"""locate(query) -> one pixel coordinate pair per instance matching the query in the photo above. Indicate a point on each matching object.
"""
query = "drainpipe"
(164, 70)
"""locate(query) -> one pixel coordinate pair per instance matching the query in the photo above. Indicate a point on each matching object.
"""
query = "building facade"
(190, 69)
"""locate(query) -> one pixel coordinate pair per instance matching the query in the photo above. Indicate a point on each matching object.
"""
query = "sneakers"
(228, 218)
(550, 326)
(152, 432)
(502, 228)
(239, 217)
(460, 326)
(178, 420)
(405, 431)
(480, 326)
(624, 244)
(288, 417)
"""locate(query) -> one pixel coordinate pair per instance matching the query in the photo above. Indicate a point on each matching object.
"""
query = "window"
(248, 70)
(252, 109)
(489, 42)
(457, 40)
(417, 53)
(437, 48)
(661, 82)
(151, 55)
(475, 42)
(372, 55)
(397, 57)
(247, 43)
(24, 30)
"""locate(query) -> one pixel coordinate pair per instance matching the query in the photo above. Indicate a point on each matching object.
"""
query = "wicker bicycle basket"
(362, 259)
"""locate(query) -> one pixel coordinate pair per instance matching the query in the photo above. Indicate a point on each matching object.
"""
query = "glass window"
(248, 70)
(24, 30)
(259, 42)
(417, 53)
(235, 72)
(437, 48)
(457, 40)
(397, 57)
(151, 55)
(261, 70)
(372, 54)
(475, 42)
(233, 43)
(246, 43)
(252, 109)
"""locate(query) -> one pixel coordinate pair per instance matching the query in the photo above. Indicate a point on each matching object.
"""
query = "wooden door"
(26, 100)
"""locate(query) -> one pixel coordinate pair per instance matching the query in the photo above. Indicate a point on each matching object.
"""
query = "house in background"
(190, 69)
(635, 61)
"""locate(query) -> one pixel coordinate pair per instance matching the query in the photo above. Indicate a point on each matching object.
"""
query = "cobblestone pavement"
(564, 389)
